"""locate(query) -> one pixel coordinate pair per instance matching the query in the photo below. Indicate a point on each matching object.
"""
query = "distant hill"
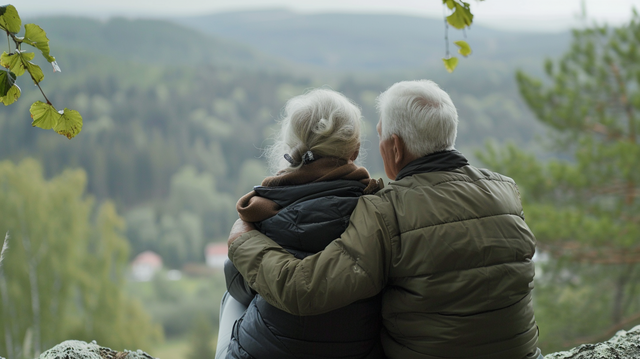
(156, 95)
(372, 41)
(150, 41)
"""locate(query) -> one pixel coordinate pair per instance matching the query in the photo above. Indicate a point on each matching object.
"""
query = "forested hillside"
(167, 107)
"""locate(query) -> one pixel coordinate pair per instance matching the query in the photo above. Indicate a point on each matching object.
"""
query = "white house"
(145, 265)
(216, 254)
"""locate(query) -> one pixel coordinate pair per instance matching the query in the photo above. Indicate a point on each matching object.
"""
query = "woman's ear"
(355, 154)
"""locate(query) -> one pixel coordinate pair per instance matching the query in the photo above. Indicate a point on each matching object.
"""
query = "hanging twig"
(446, 37)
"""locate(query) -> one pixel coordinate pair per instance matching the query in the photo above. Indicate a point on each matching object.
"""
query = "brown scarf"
(253, 208)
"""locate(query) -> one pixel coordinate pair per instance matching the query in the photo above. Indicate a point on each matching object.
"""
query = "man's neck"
(439, 161)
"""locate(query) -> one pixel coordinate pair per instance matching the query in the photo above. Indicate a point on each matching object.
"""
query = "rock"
(76, 349)
(623, 345)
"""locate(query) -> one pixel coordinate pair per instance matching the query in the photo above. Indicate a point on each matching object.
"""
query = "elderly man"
(445, 242)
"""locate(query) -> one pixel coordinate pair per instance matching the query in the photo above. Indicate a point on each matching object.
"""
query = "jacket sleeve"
(237, 287)
(350, 268)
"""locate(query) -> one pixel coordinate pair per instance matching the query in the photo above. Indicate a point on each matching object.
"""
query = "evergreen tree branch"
(624, 101)
(578, 252)
(601, 129)
(613, 189)
(631, 122)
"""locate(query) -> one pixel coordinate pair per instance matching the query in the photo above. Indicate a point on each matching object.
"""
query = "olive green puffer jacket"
(449, 249)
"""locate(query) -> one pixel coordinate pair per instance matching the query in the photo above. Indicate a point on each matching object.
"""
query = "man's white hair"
(322, 121)
(420, 113)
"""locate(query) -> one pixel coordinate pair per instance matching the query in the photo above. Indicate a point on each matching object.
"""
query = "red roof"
(216, 249)
(148, 257)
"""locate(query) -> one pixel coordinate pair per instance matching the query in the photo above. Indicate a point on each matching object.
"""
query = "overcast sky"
(546, 15)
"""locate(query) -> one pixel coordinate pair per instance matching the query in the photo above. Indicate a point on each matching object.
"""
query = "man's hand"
(239, 228)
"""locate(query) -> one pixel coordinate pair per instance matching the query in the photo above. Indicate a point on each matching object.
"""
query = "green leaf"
(70, 123)
(12, 95)
(450, 63)
(461, 17)
(7, 80)
(464, 48)
(9, 61)
(67, 122)
(450, 4)
(18, 62)
(36, 37)
(44, 115)
(9, 19)
(15, 62)
(35, 71)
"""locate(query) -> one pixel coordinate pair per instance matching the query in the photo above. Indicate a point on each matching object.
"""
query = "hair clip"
(308, 157)
(288, 158)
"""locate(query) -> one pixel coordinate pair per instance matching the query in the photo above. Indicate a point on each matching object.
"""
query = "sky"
(518, 15)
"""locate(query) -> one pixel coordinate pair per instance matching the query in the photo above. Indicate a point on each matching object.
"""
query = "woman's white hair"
(421, 114)
(322, 121)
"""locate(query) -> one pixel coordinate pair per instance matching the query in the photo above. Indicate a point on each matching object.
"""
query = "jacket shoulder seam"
(463, 220)
(470, 180)
(384, 217)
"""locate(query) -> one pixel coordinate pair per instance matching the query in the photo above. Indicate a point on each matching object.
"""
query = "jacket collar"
(439, 161)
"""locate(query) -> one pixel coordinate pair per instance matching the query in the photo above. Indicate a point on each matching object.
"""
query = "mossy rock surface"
(76, 349)
(623, 345)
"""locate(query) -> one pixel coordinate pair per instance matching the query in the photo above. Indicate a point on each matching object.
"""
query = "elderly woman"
(303, 208)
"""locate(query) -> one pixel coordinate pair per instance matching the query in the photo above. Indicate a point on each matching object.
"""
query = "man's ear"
(398, 150)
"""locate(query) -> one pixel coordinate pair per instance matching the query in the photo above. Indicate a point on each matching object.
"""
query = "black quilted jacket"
(312, 216)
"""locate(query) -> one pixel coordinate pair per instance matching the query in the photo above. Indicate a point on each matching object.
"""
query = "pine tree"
(585, 209)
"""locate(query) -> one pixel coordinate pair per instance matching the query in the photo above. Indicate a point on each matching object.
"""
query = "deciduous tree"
(63, 272)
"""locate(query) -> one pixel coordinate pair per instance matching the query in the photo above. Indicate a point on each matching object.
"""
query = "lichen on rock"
(76, 349)
(623, 345)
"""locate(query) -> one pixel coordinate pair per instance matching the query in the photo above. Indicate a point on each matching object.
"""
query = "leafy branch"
(15, 63)
(460, 18)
